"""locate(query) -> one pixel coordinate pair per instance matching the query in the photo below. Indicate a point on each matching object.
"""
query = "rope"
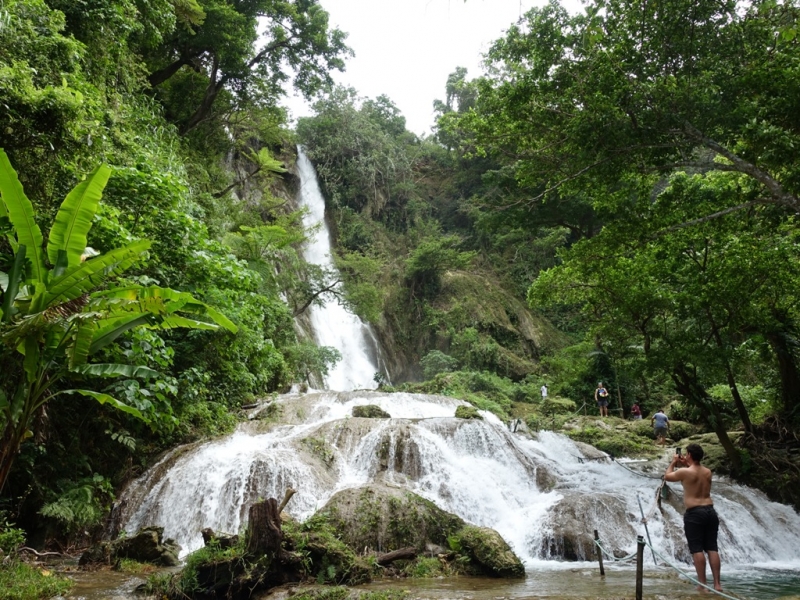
(689, 577)
(636, 472)
(611, 556)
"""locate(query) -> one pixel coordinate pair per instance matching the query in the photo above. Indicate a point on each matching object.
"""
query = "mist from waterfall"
(332, 324)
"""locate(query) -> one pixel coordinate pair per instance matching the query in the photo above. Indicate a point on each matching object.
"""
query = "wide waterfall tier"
(540, 492)
(332, 324)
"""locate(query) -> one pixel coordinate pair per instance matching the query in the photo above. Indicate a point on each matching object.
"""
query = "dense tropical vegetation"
(615, 200)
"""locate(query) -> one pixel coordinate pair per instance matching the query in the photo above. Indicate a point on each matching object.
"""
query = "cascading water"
(538, 491)
(332, 324)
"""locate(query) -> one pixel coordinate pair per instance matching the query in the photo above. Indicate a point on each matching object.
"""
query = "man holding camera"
(700, 521)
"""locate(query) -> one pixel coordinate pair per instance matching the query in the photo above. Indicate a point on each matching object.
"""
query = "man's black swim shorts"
(701, 525)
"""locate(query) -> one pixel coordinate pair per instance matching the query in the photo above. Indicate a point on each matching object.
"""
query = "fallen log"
(402, 553)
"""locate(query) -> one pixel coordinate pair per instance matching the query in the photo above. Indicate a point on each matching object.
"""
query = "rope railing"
(627, 558)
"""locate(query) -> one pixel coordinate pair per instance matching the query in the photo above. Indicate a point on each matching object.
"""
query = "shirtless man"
(700, 521)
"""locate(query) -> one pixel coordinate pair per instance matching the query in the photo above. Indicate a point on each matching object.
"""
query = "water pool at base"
(560, 581)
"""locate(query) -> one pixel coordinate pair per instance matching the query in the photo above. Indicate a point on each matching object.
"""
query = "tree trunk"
(402, 553)
(737, 398)
(264, 535)
(787, 370)
(687, 385)
(9, 448)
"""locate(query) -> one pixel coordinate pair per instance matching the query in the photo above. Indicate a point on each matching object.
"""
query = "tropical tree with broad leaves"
(56, 311)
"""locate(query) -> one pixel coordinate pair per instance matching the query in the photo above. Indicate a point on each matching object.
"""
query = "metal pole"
(639, 566)
(599, 553)
(646, 530)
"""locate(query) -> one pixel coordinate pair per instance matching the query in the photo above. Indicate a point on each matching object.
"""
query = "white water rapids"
(535, 490)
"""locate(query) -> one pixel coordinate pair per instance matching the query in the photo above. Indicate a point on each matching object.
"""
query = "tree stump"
(264, 535)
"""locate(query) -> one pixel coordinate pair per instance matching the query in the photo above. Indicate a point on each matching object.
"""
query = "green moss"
(426, 567)
(488, 553)
(370, 411)
(467, 412)
(321, 448)
(134, 567)
(20, 581)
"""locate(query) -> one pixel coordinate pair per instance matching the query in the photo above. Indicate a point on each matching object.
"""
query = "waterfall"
(541, 492)
(536, 491)
(332, 324)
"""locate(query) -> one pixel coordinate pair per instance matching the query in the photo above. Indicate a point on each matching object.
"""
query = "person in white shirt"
(544, 391)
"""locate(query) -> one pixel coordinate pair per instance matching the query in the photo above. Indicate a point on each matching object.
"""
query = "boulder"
(490, 552)
(383, 518)
(147, 546)
(370, 411)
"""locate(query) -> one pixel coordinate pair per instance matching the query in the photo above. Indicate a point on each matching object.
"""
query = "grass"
(21, 581)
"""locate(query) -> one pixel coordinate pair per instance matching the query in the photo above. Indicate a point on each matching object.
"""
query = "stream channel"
(538, 490)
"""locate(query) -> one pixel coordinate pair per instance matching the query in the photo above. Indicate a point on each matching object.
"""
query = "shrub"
(435, 362)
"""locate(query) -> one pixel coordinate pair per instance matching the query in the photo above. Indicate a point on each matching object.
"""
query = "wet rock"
(147, 545)
(382, 518)
(370, 411)
(573, 520)
(490, 552)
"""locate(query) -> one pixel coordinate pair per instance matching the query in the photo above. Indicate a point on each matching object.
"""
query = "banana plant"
(58, 310)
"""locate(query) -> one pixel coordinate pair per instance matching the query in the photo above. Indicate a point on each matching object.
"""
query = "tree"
(224, 50)
(55, 314)
(595, 103)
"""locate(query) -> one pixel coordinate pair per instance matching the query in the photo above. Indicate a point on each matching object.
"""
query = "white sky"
(407, 48)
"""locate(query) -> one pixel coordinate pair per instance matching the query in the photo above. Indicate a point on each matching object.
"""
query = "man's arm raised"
(672, 474)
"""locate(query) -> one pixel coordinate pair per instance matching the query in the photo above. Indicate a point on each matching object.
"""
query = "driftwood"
(286, 497)
(402, 553)
(37, 553)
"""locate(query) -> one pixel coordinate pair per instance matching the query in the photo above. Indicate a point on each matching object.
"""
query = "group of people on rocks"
(659, 420)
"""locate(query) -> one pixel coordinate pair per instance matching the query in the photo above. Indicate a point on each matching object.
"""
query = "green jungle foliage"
(176, 99)
(615, 201)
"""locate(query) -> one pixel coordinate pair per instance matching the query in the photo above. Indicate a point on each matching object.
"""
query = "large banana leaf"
(106, 399)
(116, 370)
(151, 298)
(85, 276)
(20, 213)
(79, 351)
(104, 336)
(173, 322)
(74, 218)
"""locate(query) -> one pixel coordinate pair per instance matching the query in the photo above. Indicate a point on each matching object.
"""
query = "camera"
(678, 451)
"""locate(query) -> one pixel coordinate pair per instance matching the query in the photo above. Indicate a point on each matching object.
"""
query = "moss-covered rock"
(147, 546)
(490, 553)
(370, 411)
(382, 518)
(467, 412)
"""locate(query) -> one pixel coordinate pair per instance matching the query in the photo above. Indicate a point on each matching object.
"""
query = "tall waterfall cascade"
(332, 324)
(538, 490)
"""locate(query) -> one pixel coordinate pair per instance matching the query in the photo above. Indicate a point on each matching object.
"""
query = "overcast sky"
(407, 48)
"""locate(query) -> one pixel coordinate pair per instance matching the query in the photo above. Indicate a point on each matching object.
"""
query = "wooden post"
(639, 566)
(599, 553)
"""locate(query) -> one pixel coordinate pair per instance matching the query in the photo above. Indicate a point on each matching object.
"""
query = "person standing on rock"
(544, 391)
(700, 521)
(636, 412)
(601, 397)
(661, 426)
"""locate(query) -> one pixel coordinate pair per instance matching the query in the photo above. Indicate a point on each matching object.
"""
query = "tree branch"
(316, 295)
(776, 190)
